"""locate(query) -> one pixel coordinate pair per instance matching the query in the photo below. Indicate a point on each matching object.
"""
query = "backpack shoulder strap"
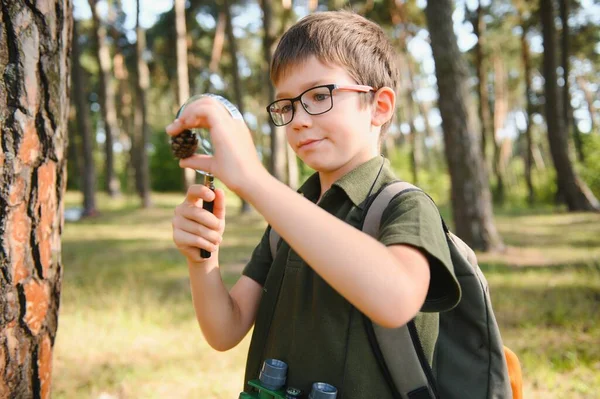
(381, 201)
(398, 350)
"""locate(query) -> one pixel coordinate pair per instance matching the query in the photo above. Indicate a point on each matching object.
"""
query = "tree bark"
(471, 200)
(88, 177)
(277, 165)
(528, 156)
(141, 123)
(577, 195)
(35, 42)
(183, 80)
(107, 99)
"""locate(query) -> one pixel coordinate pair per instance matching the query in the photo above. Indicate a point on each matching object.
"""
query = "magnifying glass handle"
(209, 206)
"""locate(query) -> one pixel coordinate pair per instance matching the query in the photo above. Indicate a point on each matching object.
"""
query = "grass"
(127, 327)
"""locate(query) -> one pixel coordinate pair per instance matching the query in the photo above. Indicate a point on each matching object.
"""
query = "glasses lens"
(281, 111)
(317, 101)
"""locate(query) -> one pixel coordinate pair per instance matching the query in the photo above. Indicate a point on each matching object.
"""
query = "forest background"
(498, 120)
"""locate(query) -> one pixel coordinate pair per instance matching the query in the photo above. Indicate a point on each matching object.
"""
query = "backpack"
(470, 361)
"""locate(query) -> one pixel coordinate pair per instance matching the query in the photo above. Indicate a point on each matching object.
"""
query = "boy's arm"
(389, 294)
(224, 317)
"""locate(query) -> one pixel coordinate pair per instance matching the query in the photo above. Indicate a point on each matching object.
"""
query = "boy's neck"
(327, 179)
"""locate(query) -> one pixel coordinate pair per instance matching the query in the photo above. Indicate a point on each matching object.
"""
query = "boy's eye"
(285, 109)
(321, 96)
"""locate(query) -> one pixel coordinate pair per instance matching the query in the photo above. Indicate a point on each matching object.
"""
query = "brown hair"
(341, 38)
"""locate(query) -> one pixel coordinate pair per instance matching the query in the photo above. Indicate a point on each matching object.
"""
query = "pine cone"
(184, 145)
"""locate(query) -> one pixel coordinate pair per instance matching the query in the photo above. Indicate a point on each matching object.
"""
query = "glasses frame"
(331, 87)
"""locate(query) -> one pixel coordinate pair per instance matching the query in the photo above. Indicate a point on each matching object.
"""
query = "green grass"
(127, 327)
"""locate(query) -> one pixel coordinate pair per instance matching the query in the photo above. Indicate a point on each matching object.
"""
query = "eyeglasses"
(315, 101)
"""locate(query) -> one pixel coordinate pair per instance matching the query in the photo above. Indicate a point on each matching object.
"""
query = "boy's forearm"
(342, 255)
(216, 312)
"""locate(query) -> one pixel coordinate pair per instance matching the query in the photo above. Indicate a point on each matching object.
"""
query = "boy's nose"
(302, 119)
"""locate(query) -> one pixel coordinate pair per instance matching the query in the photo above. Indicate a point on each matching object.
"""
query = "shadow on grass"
(549, 315)
(538, 239)
(586, 266)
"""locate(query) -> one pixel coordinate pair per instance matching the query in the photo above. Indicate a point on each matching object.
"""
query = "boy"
(335, 79)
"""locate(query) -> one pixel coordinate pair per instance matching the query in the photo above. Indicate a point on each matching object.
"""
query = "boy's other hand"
(195, 228)
(235, 161)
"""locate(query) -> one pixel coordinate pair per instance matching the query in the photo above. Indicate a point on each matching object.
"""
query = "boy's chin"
(321, 165)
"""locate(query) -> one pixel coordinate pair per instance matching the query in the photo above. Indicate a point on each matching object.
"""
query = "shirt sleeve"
(413, 219)
(260, 261)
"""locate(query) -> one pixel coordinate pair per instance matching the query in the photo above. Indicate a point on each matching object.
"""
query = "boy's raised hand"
(235, 159)
(195, 228)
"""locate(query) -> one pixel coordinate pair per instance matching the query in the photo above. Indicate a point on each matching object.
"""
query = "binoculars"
(271, 385)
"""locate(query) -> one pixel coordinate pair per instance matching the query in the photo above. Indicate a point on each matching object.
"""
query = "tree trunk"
(485, 117)
(141, 123)
(74, 167)
(500, 113)
(125, 114)
(408, 89)
(528, 156)
(88, 177)
(589, 99)
(183, 80)
(567, 109)
(107, 101)
(471, 200)
(421, 154)
(277, 165)
(399, 16)
(237, 85)
(577, 195)
(217, 49)
(429, 134)
(35, 40)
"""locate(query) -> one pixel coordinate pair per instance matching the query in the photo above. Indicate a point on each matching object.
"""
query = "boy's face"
(334, 142)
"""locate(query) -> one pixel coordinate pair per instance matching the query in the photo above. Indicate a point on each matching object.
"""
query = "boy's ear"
(384, 105)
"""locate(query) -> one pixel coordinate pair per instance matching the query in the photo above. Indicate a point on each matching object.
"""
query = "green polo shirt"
(304, 322)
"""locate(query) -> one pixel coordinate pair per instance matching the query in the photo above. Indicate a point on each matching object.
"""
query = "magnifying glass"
(190, 141)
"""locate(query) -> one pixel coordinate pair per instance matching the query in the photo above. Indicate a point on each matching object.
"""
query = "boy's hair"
(341, 38)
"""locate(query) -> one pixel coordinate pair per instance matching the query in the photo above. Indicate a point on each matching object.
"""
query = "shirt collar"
(356, 184)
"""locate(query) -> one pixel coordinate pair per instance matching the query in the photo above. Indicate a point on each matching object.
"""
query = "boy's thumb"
(219, 206)
(198, 162)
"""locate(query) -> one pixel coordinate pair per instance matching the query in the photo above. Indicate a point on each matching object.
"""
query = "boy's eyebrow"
(303, 87)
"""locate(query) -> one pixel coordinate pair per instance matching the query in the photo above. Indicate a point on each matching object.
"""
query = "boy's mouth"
(308, 143)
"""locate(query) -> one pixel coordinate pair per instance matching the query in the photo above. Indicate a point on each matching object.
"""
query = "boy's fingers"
(197, 229)
(198, 162)
(174, 128)
(219, 207)
(202, 113)
(197, 215)
(199, 192)
(185, 239)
